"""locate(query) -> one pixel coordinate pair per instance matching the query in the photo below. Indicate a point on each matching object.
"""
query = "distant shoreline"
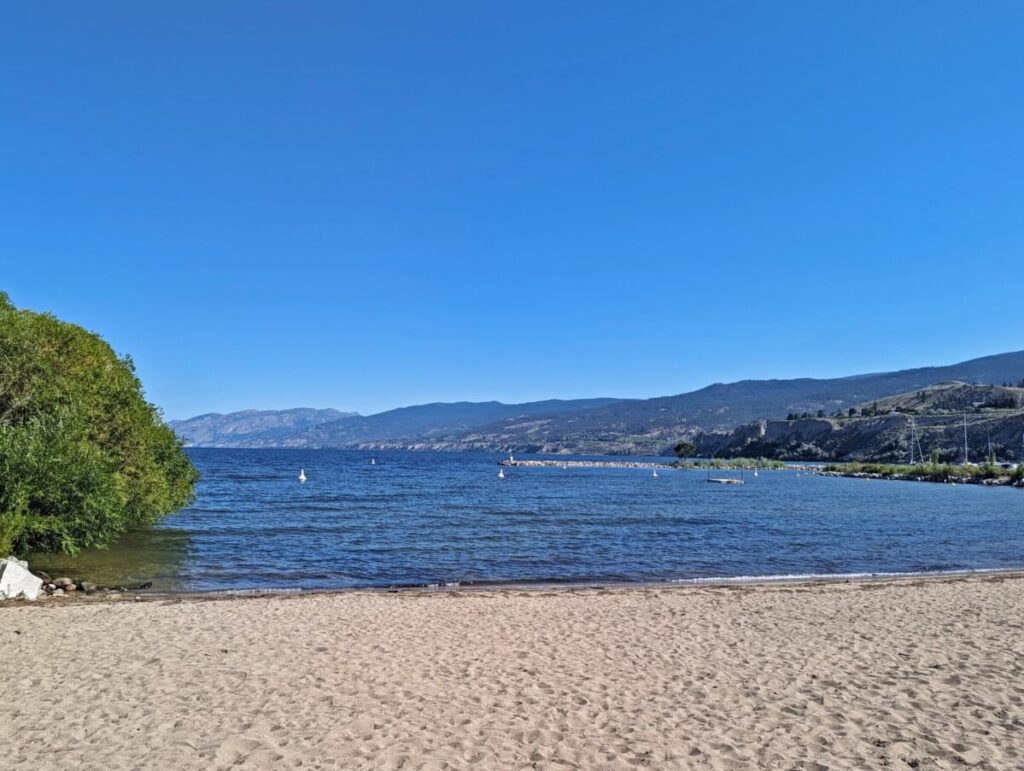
(505, 587)
(989, 475)
(759, 464)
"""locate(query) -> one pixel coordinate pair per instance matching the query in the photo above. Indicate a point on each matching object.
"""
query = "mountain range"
(606, 425)
(331, 428)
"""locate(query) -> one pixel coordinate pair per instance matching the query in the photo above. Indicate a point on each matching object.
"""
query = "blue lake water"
(438, 518)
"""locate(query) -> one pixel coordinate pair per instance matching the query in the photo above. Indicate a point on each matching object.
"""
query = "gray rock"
(60, 583)
(88, 587)
(58, 592)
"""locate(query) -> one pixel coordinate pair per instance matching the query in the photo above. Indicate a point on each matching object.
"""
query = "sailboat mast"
(917, 441)
(965, 438)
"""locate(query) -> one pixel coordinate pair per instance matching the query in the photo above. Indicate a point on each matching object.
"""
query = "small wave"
(250, 592)
(796, 577)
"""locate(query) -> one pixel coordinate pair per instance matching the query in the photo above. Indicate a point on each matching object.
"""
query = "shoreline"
(1001, 481)
(734, 583)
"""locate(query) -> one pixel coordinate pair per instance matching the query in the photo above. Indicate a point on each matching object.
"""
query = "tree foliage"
(684, 449)
(933, 472)
(83, 455)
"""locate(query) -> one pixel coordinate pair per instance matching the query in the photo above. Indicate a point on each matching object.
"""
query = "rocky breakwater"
(752, 464)
(582, 464)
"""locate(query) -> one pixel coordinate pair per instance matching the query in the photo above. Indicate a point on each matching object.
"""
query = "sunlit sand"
(905, 674)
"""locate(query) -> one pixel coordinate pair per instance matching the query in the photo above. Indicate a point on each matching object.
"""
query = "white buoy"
(501, 473)
(302, 475)
(655, 473)
(755, 472)
(373, 461)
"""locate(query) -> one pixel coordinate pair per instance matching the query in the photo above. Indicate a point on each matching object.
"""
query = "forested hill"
(621, 426)
(653, 425)
(724, 405)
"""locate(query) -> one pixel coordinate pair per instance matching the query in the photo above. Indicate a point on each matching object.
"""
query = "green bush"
(684, 449)
(83, 456)
(935, 472)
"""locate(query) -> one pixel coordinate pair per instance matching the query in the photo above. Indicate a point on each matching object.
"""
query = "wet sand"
(925, 674)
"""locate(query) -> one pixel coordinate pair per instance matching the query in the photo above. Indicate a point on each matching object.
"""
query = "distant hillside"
(629, 426)
(251, 428)
(426, 422)
(881, 430)
(330, 428)
(954, 396)
(653, 425)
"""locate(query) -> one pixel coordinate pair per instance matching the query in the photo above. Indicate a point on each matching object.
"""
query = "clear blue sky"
(367, 205)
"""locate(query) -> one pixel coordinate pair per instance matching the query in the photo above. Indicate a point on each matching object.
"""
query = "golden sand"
(922, 674)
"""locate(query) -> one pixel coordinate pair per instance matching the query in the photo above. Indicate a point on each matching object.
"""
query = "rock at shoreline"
(60, 583)
(88, 587)
(17, 581)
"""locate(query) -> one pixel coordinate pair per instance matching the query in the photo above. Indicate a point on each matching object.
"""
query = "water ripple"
(436, 519)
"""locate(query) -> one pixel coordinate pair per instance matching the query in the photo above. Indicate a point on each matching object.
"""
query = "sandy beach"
(922, 674)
